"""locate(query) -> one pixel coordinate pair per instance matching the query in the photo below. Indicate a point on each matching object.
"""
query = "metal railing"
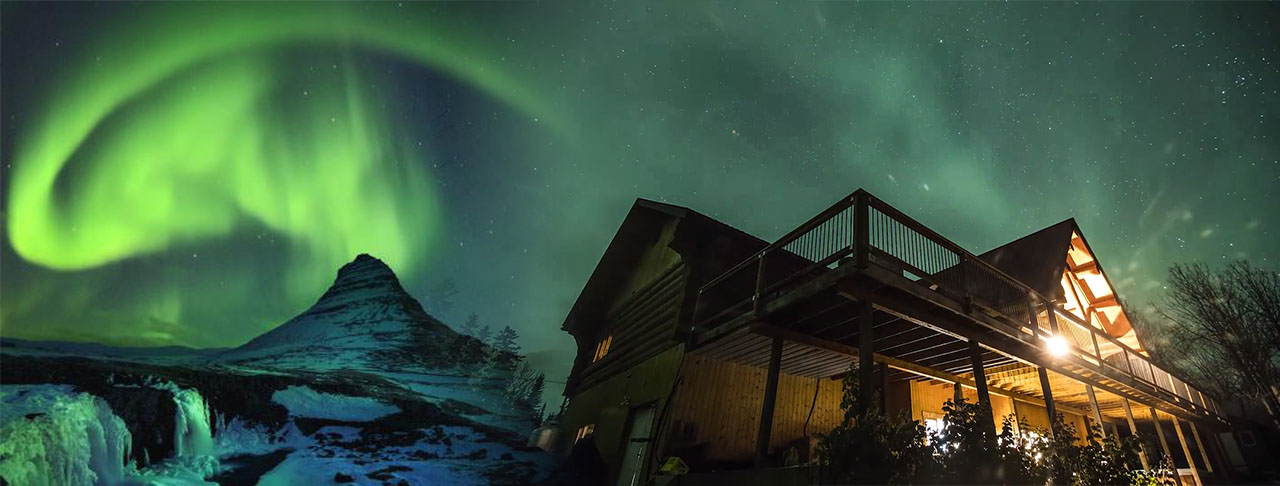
(863, 230)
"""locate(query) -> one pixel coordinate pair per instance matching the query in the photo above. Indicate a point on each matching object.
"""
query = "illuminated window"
(584, 431)
(602, 348)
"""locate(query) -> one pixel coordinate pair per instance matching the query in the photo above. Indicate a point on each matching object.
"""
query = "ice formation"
(192, 435)
(50, 435)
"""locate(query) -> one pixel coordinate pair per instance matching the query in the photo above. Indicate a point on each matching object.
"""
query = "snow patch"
(302, 401)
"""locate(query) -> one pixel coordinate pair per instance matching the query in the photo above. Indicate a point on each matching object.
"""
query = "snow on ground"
(451, 455)
(302, 401)
(495, 409)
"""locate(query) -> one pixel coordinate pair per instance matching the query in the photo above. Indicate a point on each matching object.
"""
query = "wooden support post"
(866, 355)
(757, 299)
(1048, 397)
(1053, 317)
(1133, 429)
(1097, 412)
(1017, 418)
(1224, 462)
(1186, 451)
(1204, 454)
(980, 380)
(1164, 444)
(957, 392)
(770, 398)
(861, 229)
(884, 389)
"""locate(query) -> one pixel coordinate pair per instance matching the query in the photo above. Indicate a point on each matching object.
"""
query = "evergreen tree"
(506, 340)
(439, 298)
(484, 335)
(525, 389)
(467, 350)
(472, 326)
(506, 352)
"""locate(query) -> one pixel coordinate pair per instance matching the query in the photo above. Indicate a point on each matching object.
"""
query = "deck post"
(1225, 466)
(980, 382)
(757, 303)
(1097, 412)
(1164, 444)
(866, 356)
(1048, 397)
(884, 389)
(770, 398)
(862, 228)
(1133, 429)
(1053, 318)
(1204, 454)
(1186, 451)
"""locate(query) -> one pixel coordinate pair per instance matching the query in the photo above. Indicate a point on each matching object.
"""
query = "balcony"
(862, 246)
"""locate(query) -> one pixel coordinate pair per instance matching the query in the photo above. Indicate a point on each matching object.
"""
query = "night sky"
(195, 174)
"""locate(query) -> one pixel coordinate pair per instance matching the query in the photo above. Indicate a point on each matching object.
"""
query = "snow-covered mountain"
(364, 387)
(365, 319)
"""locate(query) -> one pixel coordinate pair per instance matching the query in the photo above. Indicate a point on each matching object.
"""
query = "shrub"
(869, 448)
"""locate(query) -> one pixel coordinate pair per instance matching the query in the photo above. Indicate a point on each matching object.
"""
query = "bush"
(869, 448)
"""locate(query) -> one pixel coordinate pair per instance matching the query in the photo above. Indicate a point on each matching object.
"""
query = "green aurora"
(194, 173)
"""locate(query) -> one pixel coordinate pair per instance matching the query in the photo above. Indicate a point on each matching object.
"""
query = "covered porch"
(863, 285)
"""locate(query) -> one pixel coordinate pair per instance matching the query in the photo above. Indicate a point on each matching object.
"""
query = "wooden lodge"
(699, 341)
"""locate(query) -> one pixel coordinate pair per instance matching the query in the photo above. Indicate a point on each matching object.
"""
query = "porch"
(863, 283)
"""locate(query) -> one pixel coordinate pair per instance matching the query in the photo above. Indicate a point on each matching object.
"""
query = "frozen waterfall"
(191, 432)
(50, 435)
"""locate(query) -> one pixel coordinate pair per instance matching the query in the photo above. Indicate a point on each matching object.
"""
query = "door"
(637, 447)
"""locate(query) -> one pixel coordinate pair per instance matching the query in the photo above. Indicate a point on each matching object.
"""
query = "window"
(584, 431)
(602, 348)
(1246, 438)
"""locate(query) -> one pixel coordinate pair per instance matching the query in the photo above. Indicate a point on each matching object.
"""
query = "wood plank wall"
(721, 401)
(930, 395)
(642, 324)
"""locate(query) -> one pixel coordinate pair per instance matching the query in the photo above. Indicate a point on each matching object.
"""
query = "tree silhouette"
(439, 297)
(472, 325)
(1222, 330)
(506, 351)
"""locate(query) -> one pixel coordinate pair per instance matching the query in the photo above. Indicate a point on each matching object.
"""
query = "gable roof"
(1037, 259)
(642, 225)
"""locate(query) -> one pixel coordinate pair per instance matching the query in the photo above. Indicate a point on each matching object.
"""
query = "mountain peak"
(364, 314)
(367, 276)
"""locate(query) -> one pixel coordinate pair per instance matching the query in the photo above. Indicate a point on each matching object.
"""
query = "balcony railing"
(863, 230)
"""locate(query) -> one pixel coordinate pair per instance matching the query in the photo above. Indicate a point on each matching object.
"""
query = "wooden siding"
(720, 402)
(641, 325)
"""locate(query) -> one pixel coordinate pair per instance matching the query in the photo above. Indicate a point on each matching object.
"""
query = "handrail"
(785, 239)
(965, 261)
(965, 255)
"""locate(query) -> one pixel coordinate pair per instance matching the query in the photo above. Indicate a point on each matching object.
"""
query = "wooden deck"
(862, 274)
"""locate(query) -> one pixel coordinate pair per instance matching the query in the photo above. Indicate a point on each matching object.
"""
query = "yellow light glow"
(1057, 346)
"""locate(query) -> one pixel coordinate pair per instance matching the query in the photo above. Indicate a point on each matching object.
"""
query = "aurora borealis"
(194, 173)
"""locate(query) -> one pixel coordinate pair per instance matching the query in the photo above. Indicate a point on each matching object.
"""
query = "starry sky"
(194, 174)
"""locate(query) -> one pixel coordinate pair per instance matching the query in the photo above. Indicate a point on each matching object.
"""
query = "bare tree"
(1223, 329)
